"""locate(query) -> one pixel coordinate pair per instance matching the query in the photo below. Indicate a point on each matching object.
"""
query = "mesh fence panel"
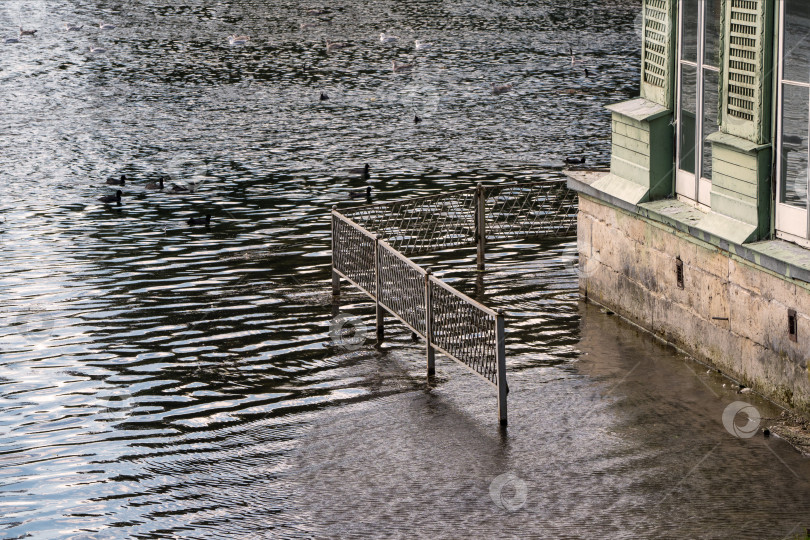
(424, 223)
(521, 211)
(402, 288)
(512, 212)
(464, 330)
(353, 254)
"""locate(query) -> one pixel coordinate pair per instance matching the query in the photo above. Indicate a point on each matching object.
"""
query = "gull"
(73, 27)
(385, 38)
(95, 49)
(334, 46)
(421, 45)
(104, 26)
(238, 40)
(397, 68)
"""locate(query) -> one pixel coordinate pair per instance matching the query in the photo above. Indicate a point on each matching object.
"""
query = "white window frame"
(792, 223)
(692, 187)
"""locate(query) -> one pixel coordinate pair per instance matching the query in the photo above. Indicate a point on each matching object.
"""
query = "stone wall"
(730, 313)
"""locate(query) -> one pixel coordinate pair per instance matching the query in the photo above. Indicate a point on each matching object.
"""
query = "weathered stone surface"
(628, 265)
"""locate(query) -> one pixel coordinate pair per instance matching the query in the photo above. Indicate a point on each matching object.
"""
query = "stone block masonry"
(727, 311)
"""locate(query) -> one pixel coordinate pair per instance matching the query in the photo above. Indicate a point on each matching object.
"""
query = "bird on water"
(575, 161)
(177, 188)
(398, 68)
(498, 89)
(117, 181)
(200, 221)
(334, 46)
(361, 193)
(155, 185)
(110, 199)
(362, 172)
(238, 40)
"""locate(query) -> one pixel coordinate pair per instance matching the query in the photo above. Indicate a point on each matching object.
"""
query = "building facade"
(701, 230)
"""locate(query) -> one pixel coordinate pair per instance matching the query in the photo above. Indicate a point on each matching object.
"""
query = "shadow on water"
(163, 379)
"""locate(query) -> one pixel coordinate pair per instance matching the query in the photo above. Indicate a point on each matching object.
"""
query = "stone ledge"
(639, 109)
(782, 258)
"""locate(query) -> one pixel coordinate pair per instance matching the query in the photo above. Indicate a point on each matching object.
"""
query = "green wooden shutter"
(658, 52)
(744, 110)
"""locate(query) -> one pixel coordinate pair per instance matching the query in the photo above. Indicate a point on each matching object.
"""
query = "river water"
(158, 379)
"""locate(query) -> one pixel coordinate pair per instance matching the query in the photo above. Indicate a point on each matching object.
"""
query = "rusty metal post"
(500, 354)
(377, 289)
(480, 224)
(335, 275)
(431, 354)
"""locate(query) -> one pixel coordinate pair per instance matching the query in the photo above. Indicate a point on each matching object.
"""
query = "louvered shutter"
(657, 61)
(746, 58)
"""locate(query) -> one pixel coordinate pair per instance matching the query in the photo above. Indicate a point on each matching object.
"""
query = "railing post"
(431, 354)
(335, 275)
(377, 288)
(480, 224)
(503, 388)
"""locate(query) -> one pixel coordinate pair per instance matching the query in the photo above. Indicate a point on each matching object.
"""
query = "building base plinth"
(749, 322)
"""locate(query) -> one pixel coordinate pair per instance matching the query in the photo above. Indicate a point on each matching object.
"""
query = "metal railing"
(472, 217)
(370, 244)
(449, 321)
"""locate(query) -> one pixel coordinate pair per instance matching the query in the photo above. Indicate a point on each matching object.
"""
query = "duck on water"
(110, 199)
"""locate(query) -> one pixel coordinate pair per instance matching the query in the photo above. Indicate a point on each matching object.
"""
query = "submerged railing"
(370, 243)
(472, 217)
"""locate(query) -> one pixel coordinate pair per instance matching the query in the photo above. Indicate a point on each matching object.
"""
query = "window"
(698, 95)
(793, 130)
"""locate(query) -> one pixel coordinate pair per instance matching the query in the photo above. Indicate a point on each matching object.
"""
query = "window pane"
(711, 82)
(689, 33)
(797, 40)
(796, 113)
(711, 46)
(687, 127)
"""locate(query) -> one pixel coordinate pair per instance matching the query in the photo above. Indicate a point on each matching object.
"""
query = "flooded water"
(159, 379)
